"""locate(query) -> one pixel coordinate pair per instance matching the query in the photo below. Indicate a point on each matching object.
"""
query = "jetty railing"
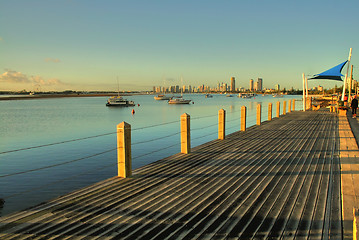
(124, 135)
(128, 151)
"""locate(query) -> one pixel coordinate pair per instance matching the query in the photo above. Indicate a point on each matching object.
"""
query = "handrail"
(249, 117)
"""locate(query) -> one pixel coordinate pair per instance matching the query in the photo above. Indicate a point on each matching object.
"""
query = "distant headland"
(5, 95)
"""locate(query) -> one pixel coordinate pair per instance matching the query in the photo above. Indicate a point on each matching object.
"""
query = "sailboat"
(118, 101)
(179, 100)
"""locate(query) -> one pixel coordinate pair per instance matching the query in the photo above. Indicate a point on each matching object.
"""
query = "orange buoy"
(133, 111)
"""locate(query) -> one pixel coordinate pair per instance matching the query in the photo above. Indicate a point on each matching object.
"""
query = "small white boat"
(208, 96)
(118, 101)
(246, 95)
(179, 100)
(162, 97)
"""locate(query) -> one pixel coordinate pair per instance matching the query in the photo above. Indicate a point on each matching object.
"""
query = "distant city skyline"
(77, 45)
(221, 87)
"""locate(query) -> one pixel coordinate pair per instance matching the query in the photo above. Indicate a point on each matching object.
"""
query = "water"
(34, 175)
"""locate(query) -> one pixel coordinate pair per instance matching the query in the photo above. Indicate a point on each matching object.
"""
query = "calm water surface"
(36, 174)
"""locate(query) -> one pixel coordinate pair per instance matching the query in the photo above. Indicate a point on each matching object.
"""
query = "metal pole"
(350, 85)
(303, 78)
(304, 107)
(346, 75)
(306, 87)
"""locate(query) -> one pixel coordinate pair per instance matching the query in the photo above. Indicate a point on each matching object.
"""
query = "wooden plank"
(269, 181)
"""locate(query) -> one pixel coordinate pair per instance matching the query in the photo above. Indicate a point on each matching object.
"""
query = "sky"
(137, 44)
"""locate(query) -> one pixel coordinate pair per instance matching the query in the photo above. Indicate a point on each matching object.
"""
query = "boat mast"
(118, 88)
(306, 88)
(181, 87)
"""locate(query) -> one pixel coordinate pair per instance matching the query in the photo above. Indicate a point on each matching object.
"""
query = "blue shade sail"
(331, 74)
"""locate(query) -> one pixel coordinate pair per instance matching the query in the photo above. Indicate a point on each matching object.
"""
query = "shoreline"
(40, 96)
(44, 96)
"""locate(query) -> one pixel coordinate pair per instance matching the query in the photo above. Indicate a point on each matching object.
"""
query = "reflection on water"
(39, 174)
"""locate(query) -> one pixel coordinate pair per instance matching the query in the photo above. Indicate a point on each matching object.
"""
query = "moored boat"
(179, 100)
(246, 95)
(162, 97)
(118, 101)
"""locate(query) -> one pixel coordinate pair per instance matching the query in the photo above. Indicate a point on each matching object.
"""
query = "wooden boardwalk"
(280, 180)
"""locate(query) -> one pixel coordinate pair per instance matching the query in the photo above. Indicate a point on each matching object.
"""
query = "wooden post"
(124, 165)
(309, 102)
(293, 105)
(185, 134)
(269, 111)
(289, 106)
(243, 118)
(278, 109)
(221, 124)
(259, 114)
(355, 223)
(284, 107)
(306, 103)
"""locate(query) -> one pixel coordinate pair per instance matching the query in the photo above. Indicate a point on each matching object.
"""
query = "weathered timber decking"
(277, 180)
(349, 164)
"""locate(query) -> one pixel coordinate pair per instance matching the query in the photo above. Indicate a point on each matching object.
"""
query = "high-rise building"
(277, 87)
(233, 84)
(184, 88)
(157, 89)
(259, 84)
(251, 86)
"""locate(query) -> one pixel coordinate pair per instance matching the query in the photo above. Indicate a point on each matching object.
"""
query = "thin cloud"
(14, 77)
(54, 60)
(11, 76)
(0, 38)
(51, 82)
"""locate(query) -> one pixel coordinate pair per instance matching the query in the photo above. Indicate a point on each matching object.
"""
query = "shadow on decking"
(132, 223)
